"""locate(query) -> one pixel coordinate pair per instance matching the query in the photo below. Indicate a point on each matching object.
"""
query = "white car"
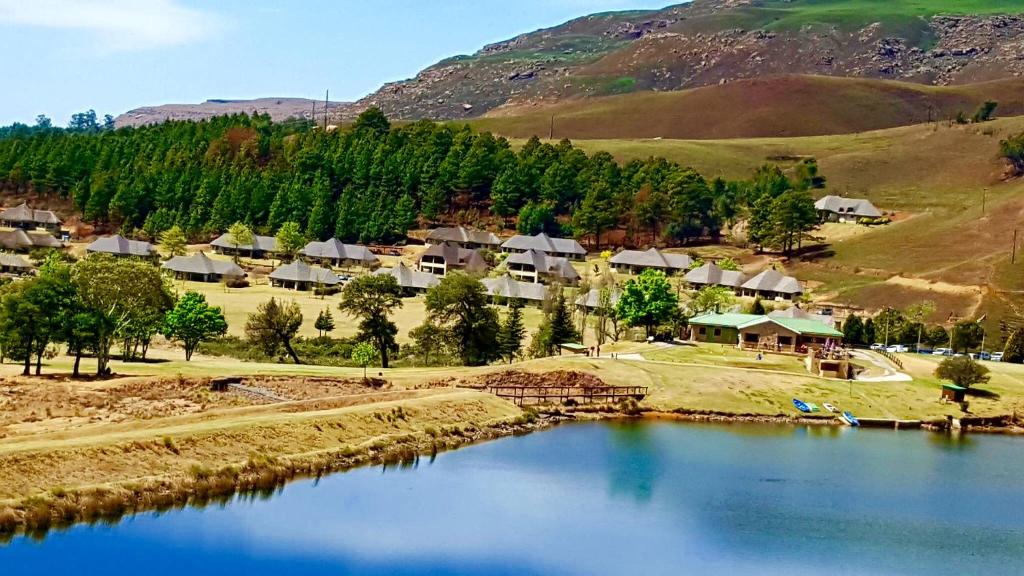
(997, 357)
(942, 352)
(878, 346)
(897, 348)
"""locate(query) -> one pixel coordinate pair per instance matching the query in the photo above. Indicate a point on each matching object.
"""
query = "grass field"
(778, 106)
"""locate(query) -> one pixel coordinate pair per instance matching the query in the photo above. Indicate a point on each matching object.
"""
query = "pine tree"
(324, 322)
(510, 336)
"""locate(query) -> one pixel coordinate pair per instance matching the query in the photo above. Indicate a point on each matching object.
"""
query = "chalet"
(298, 275)
(440, 258)
(711, 275)
(25, 218)
(592, 299)
(19, 240)
(122, 247)
(636, 261)
(758, 332)
(411, 281)
(463, 238)
(772, 285)
(14, 264)
(260, 247)
(839, 209)
(201, 268)
(800, 313)
(508, 288)
(535, 266)
(558, 247)
(335, 253)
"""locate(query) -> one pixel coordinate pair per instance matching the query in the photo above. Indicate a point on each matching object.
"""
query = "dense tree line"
(373, 181)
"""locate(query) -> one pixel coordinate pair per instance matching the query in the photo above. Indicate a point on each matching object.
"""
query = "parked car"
(897, 348)
(943, 352)
(981, 356)
(925, 351)
(997, 357)
(878, 346)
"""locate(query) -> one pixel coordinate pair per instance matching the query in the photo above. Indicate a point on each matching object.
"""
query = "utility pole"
(327, 97)
(313, 117)
(551, 128)
(984, 195)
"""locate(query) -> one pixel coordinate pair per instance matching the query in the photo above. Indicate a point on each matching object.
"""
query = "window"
(786, 340)
(718, 332)
(702, 330)
(751, 338)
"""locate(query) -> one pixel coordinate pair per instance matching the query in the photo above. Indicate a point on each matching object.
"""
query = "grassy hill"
(941, 247)
(789, 105)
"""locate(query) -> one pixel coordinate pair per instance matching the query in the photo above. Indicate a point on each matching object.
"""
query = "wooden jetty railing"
(528, 395)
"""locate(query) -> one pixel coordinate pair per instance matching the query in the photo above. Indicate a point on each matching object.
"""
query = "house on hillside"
(261, 246)
(764, 333)
(297, 275)
(25, 218)
(335, 253)
(201, 268)
(839, 209)
(18, 240)
(122, 247)
(508, 288)
(464, 238)
(558, 247)
(411, 281)
(636, 261)
(440, 258)
(772, 285)
(535, 266)
(592, 299)
(800, 313)
(711, 275)
(14, 264)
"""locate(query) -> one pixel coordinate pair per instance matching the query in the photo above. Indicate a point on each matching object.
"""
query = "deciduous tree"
(372, 299)
(193, 321)
(647, 300)
(273, 326)
(962, 371)
(459, 305)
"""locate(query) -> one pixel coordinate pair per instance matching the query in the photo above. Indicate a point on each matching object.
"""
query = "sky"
(67, 56)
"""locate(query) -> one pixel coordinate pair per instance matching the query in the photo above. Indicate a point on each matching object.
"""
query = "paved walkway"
(889, 372)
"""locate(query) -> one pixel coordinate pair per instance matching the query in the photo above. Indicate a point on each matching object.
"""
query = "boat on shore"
(801, 406)
(830, 407)
(850, 419)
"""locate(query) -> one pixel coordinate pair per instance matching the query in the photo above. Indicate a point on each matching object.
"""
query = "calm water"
(655, 498)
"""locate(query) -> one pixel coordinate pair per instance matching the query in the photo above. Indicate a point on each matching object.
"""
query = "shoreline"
(59, 509)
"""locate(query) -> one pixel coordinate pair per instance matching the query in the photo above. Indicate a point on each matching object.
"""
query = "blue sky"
(65, 56)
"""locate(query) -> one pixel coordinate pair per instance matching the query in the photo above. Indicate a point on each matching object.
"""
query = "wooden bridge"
(530, 395)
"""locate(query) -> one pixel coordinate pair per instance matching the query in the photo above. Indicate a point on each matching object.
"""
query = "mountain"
(278, 108)
(713, 42)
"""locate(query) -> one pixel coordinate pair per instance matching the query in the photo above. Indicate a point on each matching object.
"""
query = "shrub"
(962, 371)
(236, 283)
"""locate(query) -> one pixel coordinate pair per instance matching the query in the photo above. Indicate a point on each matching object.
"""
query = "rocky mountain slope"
(708, 42)
(278, 108)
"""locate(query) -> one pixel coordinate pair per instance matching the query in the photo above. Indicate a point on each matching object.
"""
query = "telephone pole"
(327, 97)
(551, 128)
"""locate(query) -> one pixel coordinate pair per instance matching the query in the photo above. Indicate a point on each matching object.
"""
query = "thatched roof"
(592, 299)
(14, 261)
(120, 246)
(22, 213)
(335, 249)
(259, 243)
(458, 257)
(544, 243)
(507, 287)
(299, 271)
(552, 265)
(652, 258)
(858, 207)
(409, 278)
(711, 275)
(772, 280)
(200, 263)
(462, 235)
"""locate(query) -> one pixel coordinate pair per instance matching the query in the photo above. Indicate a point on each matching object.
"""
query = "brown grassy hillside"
(789, 105)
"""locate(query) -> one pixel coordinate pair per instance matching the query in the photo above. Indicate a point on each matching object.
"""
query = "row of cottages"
(763, 333)
(334, 252)
(121, 247)
(849, 210)
(507, 288)
(556, 247)
(464, 238)
(12, 264)
(438, 259)
(201, 268)
(18, 240)
(260, 247)
(411, 281)
(769, 285)
(297, 275)
(536, 267)
(23, 217)
(636, 261)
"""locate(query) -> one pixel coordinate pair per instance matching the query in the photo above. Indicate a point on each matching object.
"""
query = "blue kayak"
(801, 406)
(850, 419)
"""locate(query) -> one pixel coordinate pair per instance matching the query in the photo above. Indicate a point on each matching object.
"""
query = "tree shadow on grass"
(982, 393)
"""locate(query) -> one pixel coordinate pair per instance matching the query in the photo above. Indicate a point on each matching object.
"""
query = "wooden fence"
(529, 395)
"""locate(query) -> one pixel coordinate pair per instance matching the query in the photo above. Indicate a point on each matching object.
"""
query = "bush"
(327, 290)
(962, 371)
(236, 283)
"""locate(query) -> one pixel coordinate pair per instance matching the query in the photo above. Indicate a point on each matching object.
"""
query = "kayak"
(850, 419)
(829, 407)
(801, 406)
(813, 407)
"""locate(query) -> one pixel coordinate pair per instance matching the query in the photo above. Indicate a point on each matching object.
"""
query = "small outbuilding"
(953, 393)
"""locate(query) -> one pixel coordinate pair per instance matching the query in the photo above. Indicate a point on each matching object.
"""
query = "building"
(797, 312)
(201, 268)
(839, 209)
(25, 218)
(711, 275)
(260, 247)
(508, 288)
(772, 285)
(335, 253)
(122, 247)
(536, 266)
(19, 240)
(411, 281)
(464, 238)
(14, 264)
(592, 299)
(636, 261)
(558, 247)
(763, 333)
(440, 258)
(298, 275)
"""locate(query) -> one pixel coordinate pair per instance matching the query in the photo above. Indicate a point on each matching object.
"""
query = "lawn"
(723, 355)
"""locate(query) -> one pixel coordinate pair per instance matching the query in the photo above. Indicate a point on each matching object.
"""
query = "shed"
(953, 393)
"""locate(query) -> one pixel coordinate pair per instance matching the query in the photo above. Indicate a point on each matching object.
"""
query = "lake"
(624, 498)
